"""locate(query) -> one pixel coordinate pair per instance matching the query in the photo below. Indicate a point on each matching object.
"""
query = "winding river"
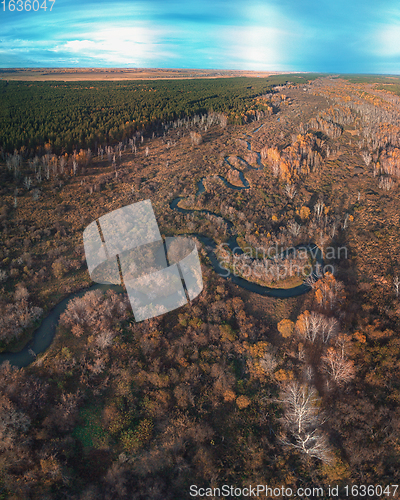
(44, 334)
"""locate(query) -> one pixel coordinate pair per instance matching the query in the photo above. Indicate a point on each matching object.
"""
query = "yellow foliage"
(327, 288)
(258, 350)
(285, 328)
(301, 322)
(229, 396)
(360, 337)
(283, 375)
(319, 296)
(256, 371)
(304, 213)
(336, 472)
(243, 402)
(273, 154)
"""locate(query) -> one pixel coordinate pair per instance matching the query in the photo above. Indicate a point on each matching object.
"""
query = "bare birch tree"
(396, 284)
(290, 190)
(339, 368)
(316, 327)
(302, 420)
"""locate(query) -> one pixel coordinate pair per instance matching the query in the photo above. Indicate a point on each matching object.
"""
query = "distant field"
(390, 83)
(115, 74)
(382, 79)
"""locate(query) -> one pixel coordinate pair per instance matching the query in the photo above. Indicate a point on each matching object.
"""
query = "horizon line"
(154, 68)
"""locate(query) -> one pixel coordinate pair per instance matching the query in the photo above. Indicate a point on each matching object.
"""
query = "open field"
(117, 74)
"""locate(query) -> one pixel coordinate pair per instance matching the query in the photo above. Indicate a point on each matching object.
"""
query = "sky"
(344, 36)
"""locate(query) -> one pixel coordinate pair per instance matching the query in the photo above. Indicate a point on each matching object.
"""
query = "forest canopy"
(74, 115)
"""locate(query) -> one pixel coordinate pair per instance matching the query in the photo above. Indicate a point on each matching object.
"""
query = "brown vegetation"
(232, 387)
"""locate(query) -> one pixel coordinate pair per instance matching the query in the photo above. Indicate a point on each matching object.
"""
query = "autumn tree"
(340, 369)
(17, 315)
(13, 422)
(396, 284)
(329, 292)
(304, 213)
(302, 420)
(285, 328)
(316, 327)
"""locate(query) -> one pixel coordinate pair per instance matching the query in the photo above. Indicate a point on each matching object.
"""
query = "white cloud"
(17, 46)
(119, 45)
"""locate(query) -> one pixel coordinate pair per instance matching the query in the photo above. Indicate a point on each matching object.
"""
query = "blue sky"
(285, 35)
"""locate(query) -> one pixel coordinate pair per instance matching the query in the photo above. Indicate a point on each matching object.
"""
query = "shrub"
(243, 402)
(196, 138)
(285, 328)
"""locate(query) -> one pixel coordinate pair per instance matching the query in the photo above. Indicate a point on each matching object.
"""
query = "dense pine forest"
(75, 115)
